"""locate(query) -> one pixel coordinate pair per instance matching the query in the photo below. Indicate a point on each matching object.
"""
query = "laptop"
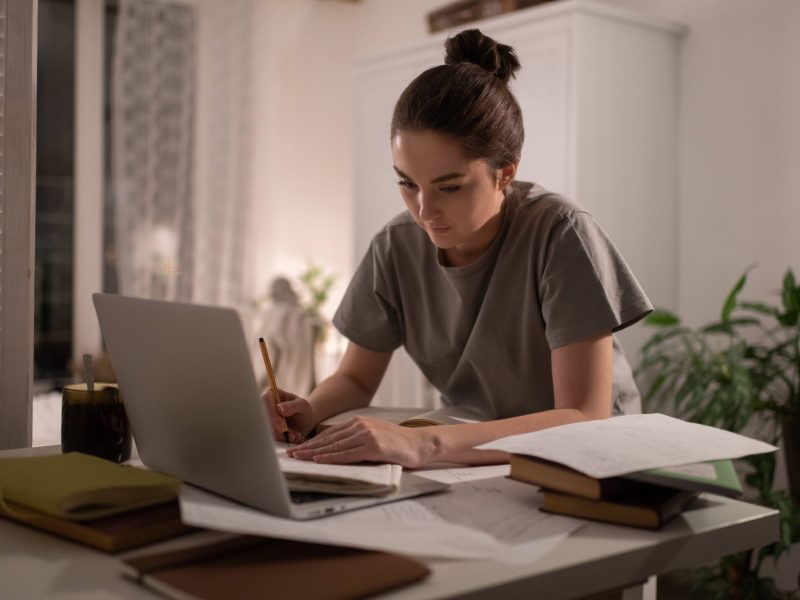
(195, 409)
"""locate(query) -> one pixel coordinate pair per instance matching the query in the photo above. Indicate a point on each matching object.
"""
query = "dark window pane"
(54, 190)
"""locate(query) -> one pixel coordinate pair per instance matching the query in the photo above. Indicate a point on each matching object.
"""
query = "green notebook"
(80, 487)
(717, 476)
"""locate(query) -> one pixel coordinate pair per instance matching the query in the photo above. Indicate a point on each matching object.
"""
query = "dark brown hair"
(468, 99)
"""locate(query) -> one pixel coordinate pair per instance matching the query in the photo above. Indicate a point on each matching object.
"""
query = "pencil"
(273, 386)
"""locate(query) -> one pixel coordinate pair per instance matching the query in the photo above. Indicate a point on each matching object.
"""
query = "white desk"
(596, 558)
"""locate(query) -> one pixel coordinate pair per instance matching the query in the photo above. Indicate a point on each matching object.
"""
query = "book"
(407, 417)
(115, 533)
(80, 487)
(90, 500)
(717, 476)
(364, 479)
(651, 507)
(250, 567)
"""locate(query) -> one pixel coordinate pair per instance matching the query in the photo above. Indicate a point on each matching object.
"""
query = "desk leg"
(645, 591)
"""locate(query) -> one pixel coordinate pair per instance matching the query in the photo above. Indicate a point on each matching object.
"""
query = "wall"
(739, 146)
(302, 158)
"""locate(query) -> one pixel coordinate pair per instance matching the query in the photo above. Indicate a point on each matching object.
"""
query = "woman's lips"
(439, 230)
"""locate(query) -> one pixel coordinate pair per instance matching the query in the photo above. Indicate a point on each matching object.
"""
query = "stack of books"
(93, 501)
(644, 499)
(638, 470)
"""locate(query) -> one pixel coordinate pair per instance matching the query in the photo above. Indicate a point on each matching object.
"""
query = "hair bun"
(472, 46)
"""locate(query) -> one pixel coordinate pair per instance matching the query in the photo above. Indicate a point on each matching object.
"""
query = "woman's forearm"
(337, 394)
(455, 443)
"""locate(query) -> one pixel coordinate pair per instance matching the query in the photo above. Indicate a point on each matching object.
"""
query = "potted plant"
(739, 372)
(317, 286)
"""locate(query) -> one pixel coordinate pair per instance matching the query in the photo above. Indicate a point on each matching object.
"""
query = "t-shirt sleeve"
(586, 286)
(367, 315)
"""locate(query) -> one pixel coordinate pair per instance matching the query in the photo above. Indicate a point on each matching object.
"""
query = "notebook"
(195, 409)
(248, 567)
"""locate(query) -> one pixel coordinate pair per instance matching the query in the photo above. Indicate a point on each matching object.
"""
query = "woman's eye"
(406, 184)
(450, 189)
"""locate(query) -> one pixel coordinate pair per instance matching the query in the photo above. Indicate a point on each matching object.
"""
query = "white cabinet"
(598, 91)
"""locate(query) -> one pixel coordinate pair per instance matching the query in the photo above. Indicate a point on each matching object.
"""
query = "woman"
(505, 295)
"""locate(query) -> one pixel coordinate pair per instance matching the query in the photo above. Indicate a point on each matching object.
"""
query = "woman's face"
(457, 200)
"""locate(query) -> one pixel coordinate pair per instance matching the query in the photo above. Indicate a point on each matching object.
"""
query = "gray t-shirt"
(482, 333)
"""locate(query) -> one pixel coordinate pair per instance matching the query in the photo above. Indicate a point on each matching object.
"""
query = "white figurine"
(288, 331)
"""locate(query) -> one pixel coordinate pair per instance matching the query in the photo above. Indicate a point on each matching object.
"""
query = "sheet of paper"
(630, 443)
(492, 519)
(509, 512)
(465, 473)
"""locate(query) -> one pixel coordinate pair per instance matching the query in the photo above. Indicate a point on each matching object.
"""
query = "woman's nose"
(428, 211)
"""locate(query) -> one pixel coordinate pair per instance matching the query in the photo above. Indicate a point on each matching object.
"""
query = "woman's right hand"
(299, 414)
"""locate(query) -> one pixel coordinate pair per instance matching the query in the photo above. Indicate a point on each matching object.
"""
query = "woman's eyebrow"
(439, 179)
(448, 177)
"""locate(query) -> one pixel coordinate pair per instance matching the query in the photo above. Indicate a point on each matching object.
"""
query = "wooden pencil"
(273, 386)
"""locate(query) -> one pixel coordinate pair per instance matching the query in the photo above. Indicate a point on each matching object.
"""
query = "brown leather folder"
(250, 567)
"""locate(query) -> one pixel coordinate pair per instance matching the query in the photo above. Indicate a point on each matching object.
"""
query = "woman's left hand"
(366, 439)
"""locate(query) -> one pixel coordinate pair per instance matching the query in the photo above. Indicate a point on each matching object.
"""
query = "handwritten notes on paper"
(486, 518)
(457, 474)
(630, 443)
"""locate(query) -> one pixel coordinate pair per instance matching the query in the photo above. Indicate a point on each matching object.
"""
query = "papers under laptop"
(195, 409)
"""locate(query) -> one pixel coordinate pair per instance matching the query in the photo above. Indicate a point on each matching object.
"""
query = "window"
(55, 185)
(55, 135)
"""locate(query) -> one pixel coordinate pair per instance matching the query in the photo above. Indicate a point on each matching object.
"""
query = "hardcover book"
(650, 508)
(717, 476)
(80, 487)
(94, 501)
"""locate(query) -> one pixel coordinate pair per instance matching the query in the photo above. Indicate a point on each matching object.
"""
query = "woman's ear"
(506, 175)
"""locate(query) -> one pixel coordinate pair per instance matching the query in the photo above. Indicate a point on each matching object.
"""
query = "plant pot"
(790, 433)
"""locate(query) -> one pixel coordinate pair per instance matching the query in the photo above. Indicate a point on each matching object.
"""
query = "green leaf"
(661, 337)
(790, 296)
(729, 325)
(730, 301)
(788, 319)
(661, 318)
(760, 307)
(658, 382)
(789, 287)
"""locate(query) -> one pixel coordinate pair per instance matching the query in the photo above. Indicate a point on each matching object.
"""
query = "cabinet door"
(378, 87)
(543, 92)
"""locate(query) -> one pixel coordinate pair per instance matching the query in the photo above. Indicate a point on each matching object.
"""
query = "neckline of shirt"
(511, 201)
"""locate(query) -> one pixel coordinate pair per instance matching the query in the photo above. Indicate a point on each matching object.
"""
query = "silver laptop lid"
(191, 396)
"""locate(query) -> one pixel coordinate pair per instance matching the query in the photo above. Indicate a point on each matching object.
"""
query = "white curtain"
(181, 107)
(153, 99)
(222, 268)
